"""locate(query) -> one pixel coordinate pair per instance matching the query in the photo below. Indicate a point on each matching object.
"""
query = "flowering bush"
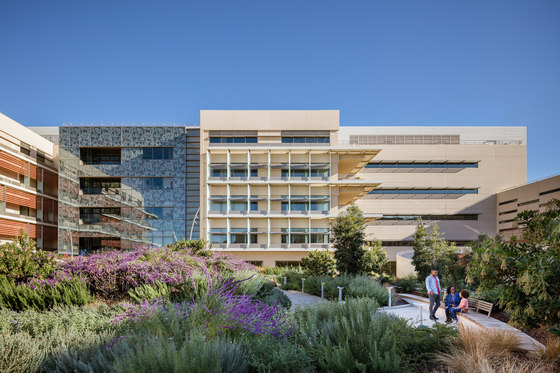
(20, 260)
(219, 311)
(112, 274)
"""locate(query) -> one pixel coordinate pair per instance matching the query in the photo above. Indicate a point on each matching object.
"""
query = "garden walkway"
(300, 299)
(478, 319)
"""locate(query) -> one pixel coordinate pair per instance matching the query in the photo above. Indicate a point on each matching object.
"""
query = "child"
(463, 305)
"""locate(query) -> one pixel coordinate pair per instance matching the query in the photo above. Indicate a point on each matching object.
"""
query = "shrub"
(20, 352)
(526, 270)
(94, 318)
(363, 286)
(196, 354)
(374, 259)
(195, 247)
(273, 296)
(149, 291)
(319, 263)
(20, 260)
(269, 354)
(40, 296)
(407, 284)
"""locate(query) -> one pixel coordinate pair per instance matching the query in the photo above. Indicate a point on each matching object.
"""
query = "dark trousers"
(453, 311)
(447, 315)
(435, 301)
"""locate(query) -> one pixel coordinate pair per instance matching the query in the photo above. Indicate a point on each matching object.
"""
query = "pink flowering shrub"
(112, 274)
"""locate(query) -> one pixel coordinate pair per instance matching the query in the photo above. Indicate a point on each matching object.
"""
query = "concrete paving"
(472, 318)
(300, 299)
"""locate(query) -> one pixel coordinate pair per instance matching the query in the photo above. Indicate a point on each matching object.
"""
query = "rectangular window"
(218, 172)
(24, 211)
(157, 183)
(94, 215)
(549, 191)
(218, 206)
(99, 185)
(157, 153)
(507, 212)
(527, 203)
(233, 140)
(159, 212)
(506, 202)
(100, 156)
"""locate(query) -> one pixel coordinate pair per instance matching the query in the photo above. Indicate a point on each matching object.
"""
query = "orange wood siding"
(12, 228)
(21, 198)
(13, 164)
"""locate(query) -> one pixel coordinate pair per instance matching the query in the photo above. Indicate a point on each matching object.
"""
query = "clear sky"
(391, 62)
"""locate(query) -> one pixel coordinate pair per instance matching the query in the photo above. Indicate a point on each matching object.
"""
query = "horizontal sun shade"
(425, 191)
(430, 217)
(422, 165)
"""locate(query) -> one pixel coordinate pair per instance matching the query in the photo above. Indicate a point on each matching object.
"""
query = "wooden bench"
(480, 305)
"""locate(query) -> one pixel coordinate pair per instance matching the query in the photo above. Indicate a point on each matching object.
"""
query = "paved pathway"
(474, 318)
(300, 299)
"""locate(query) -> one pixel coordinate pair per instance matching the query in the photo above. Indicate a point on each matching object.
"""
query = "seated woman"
(463, 305)
(452, 299)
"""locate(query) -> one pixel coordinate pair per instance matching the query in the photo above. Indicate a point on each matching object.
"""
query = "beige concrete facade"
(28, 185)
(456, 174)
(533, 196)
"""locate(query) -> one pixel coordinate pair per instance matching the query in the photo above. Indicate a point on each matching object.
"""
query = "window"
(242, 206)
(157, 153)
(527, 203)
(159, 212)
(218, 172)
(99, 156)
(24, 150)
(507, 212)
(93, 215)
(156, 183)
(98, 185)
(305, 140)
(24, 211)
(506, 202)
(549, 191)
(283, 263)
(233, 140)
(218, 206)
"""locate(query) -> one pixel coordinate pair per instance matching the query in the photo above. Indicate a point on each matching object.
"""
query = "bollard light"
(322, 290)
(340, 293)
(303, 285)
(284, 280)
(390, 290)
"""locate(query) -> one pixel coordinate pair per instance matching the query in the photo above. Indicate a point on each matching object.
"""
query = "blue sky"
(378, 62)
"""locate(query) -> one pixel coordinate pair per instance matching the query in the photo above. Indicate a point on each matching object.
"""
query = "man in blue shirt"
(433, 286)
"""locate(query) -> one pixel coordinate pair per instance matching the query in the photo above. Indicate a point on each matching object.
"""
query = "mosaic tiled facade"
(121, 187)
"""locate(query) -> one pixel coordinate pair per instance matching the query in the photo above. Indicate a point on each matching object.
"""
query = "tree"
(319, 263)
(348, 240)
(526, 269)
(374, 259)
(421, 259)
(434, 251)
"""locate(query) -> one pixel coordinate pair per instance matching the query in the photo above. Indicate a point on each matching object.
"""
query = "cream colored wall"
(269, 120)
(15, 133)
(499, 167)
(523, 194)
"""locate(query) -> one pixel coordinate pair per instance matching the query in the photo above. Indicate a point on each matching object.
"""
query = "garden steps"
(479, 319)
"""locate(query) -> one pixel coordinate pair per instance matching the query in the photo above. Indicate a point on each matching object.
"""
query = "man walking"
(433, 286)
